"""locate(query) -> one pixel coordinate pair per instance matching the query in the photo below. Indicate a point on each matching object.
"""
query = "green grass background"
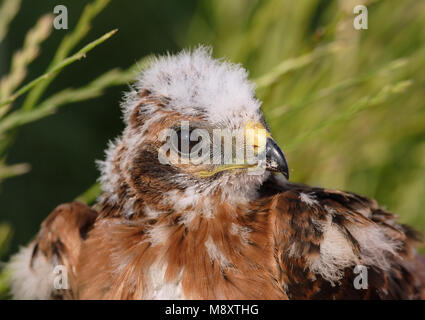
(346, 106)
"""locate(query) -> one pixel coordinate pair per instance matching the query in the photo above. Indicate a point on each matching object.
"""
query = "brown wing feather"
(60, 239)
(300, 239)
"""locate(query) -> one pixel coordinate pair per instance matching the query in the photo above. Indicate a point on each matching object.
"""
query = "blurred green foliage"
(347, 106)
(5, 237)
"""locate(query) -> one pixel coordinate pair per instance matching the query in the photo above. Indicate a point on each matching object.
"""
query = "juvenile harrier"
(179, 230)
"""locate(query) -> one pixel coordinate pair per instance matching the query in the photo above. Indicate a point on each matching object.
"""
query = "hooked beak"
(275, 159)
(260, 139)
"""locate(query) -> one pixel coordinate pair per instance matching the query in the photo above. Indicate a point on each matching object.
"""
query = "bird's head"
(193, 127)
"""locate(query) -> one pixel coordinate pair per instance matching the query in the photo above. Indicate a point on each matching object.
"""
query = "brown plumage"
(163, 231)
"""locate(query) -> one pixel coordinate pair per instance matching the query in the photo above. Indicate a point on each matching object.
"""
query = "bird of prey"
(212, 230)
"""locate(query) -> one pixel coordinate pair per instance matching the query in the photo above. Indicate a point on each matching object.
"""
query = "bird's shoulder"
(57, 244)
(324, 237)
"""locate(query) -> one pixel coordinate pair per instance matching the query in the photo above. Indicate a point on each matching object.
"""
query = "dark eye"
(183, 144)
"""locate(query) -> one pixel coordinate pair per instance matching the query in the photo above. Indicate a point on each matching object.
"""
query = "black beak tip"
(275, 159)
(285, 171)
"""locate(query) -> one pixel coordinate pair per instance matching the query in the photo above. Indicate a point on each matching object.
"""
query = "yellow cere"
(256, 135)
